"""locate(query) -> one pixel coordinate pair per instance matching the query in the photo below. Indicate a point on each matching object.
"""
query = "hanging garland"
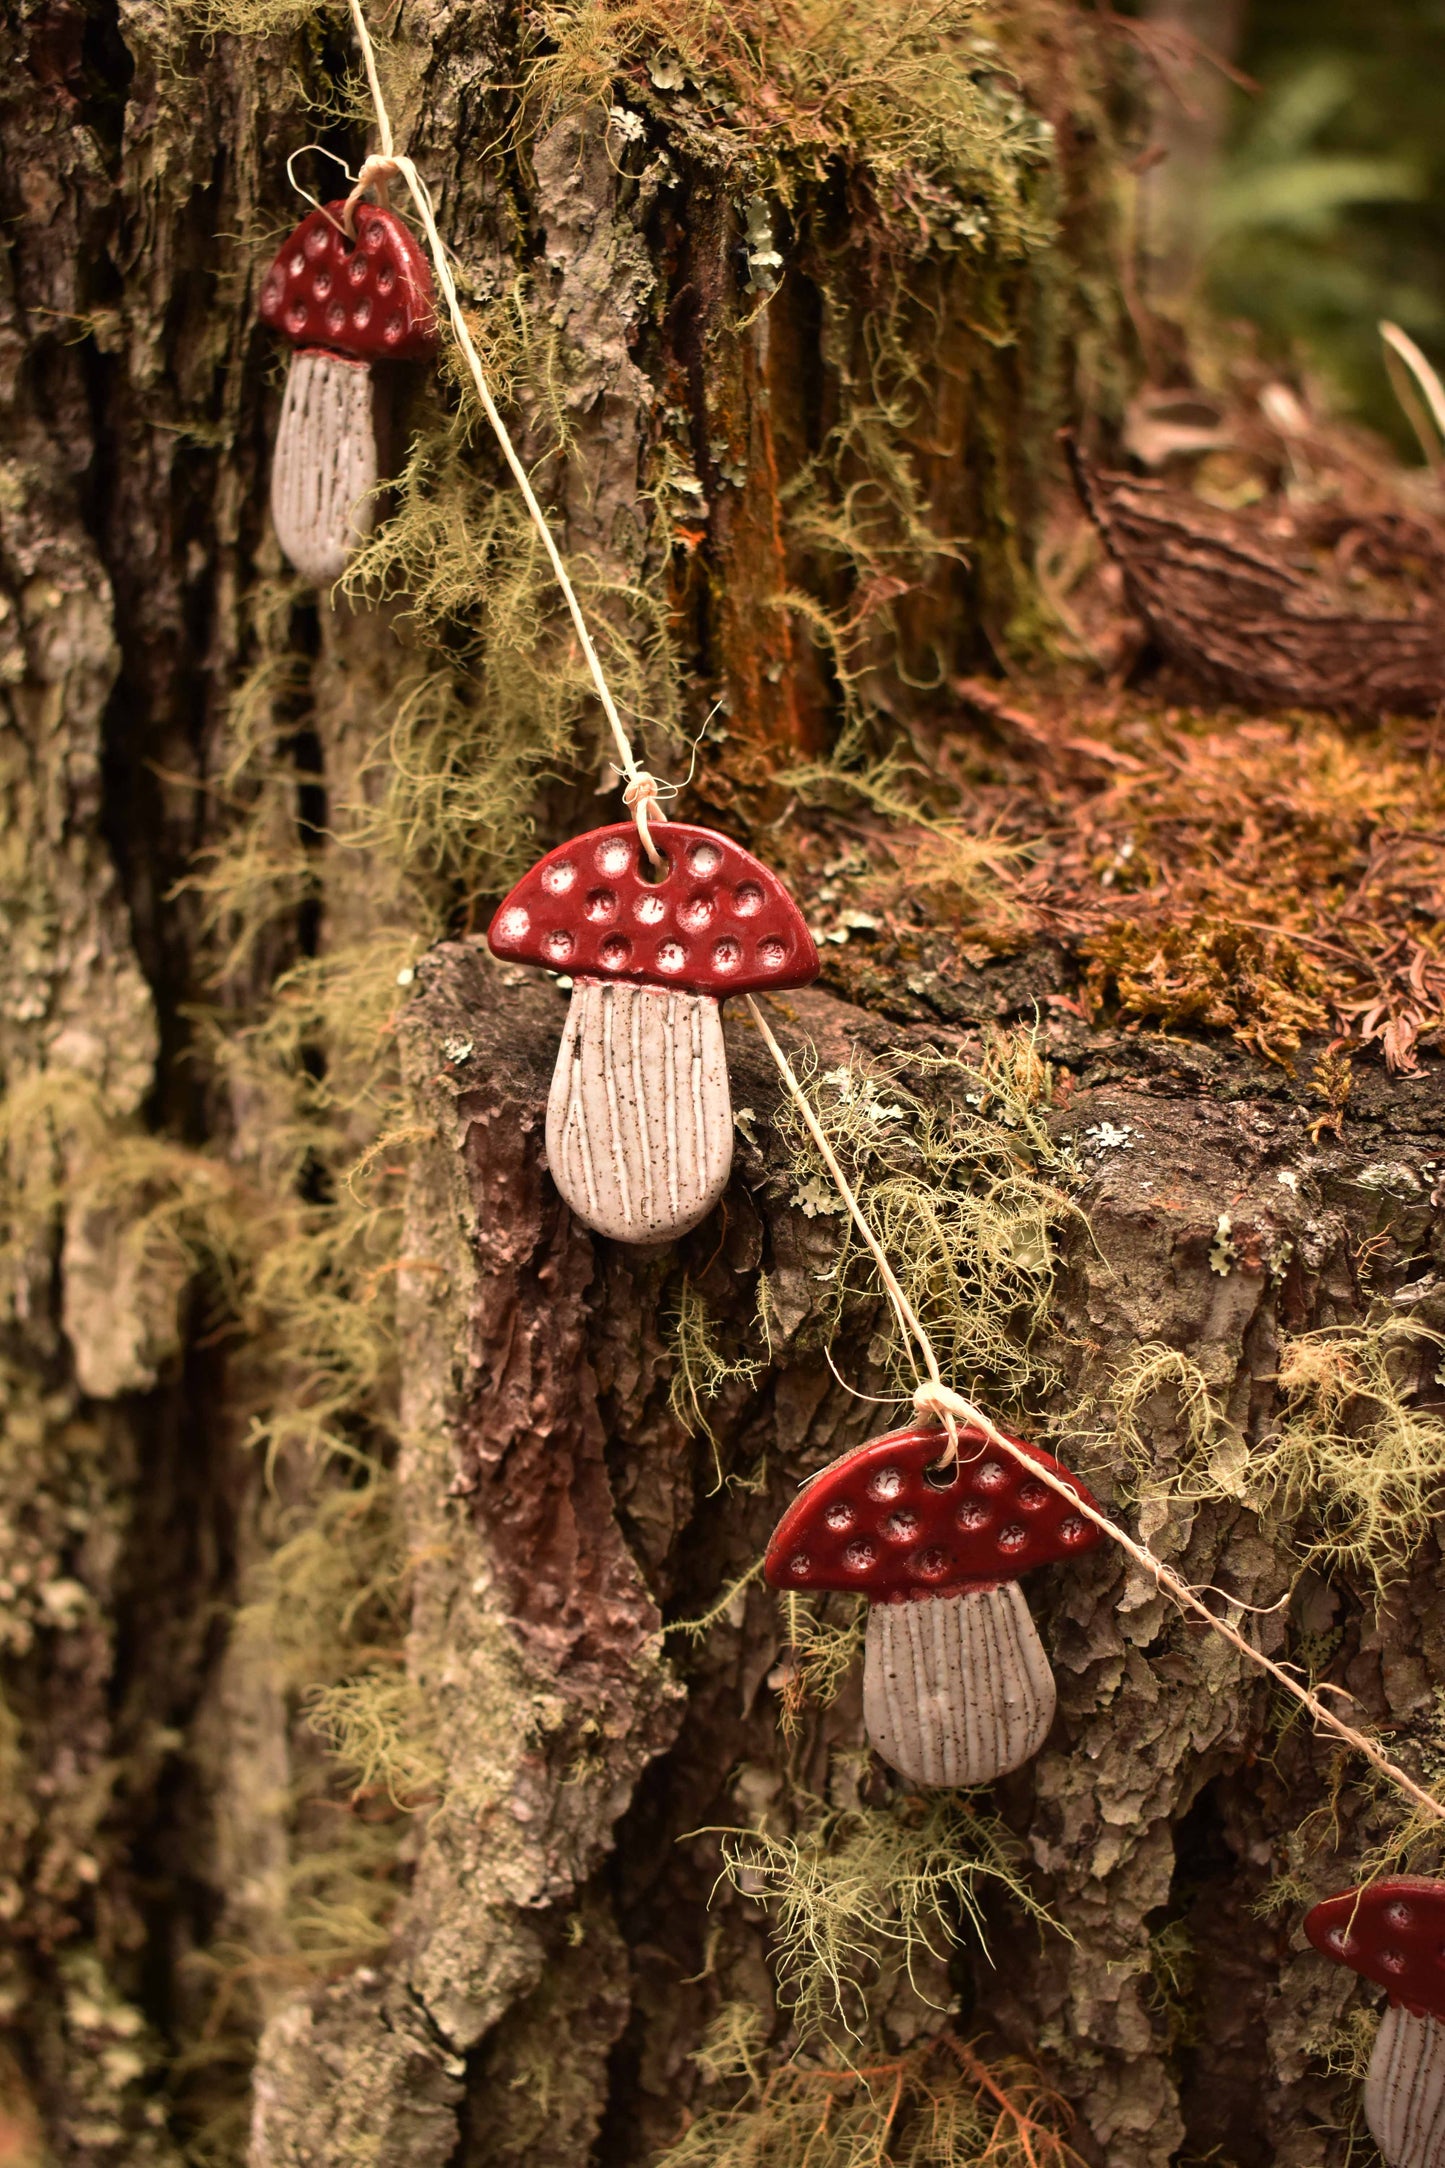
(932, 1524)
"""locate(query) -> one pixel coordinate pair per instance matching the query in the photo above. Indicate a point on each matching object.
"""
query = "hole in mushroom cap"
(972, 1516)
(727, 955)
(650, 909)
(747, 899)
(615, 855)
(772, 953)
(1013, 1538)
(601, 904)
(859, 1557)
(704, 858)
(513, 924)
(839, 1518)
(887, 1483)
(942, 1475)
(671, 956)
(558, 879)
(696, 913)
(560, 946)
(991, 1476)
(615, 951)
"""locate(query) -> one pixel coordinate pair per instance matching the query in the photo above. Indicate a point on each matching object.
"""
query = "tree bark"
(324, 1421)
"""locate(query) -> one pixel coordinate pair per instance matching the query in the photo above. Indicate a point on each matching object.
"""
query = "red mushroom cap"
(1392, 1933)
(877, 1524)
(716, 922)
(371, 299)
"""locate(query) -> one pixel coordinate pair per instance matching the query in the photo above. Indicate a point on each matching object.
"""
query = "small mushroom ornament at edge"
(639, 1119)
(343, 304)
(956, 1686)
(1393, 1933)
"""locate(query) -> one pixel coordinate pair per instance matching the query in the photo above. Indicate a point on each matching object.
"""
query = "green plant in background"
(1330, 209)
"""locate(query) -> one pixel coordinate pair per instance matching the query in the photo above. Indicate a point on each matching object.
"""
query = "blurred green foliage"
(1330, 209)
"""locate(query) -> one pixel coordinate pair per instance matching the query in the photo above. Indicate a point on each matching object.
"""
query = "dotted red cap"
(1392, 1933)
(715, 922)
(372, 300)
(875, 1523)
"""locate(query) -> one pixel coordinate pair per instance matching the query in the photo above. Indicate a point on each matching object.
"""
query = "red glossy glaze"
(874, 1523)
(373, 301)
(1391, 1932)
(718, 922)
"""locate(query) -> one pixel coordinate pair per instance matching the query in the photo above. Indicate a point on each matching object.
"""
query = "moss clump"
(1214, 974)
(700, 1370)
(852, 1887)
(905, 95)
(1351, 1472)
(941, 2105)
(824, 1643)
(954, 1181)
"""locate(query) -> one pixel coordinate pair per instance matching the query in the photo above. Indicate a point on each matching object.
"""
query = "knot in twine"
(376, 172)
(641, 801)
(936, 1402)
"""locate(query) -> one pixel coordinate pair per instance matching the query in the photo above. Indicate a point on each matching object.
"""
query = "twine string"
(393, 164)
(933, 1398)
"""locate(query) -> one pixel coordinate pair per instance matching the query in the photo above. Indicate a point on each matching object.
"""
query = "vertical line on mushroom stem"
(669, 1071)
(644, 1113)
(614, 1120)
(699, 1113)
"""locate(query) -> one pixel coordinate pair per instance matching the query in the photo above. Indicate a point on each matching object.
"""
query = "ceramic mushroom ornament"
(1394, 1934)
(343, 305)
(956, 1686)
(639, 1121)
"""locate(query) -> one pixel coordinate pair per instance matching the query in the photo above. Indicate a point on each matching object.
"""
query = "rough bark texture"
(554, 1948)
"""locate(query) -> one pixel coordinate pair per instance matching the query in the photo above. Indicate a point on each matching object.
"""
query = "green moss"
(1349, 1474)
(940, 2105)
(852, 1887)
(700, 1371)
(955, 1184)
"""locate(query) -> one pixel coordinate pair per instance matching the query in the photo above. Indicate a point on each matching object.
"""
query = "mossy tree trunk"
(351, 1788)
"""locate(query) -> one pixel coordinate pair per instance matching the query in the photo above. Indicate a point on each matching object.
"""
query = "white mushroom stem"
(639, 1121)
(323, 474)
(1405, 2090)
(956, 1689)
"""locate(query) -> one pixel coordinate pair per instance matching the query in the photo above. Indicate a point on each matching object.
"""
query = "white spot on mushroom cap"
(513, 924)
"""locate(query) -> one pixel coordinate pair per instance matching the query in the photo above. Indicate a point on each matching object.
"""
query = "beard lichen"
(943, 2104)
(1347, 1475)
(952, 1173)
(850, 1889)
